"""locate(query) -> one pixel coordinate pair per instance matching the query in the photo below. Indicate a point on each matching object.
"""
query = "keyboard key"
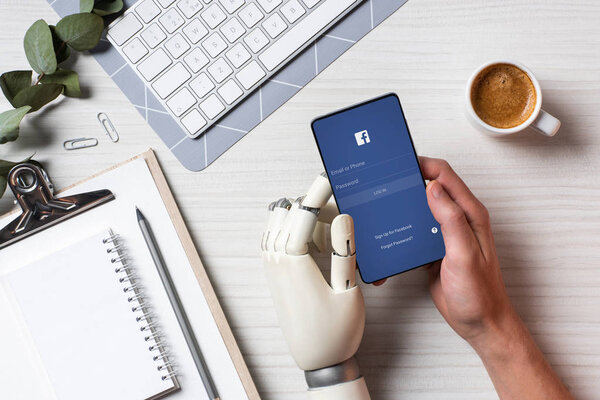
(123, 30)
(165, 3)
(171, 80)
(196, 60)
(181, 102)
(220, 70)
(202, 85)
(171, 20)
(135, 50)
(274, 25)
(212, 106)
(213, 16)
(193, 122)
(230, 91)
(238, 55)
(231, 5)
(189, 8)
(214, 45)
(292, 10)
(250, 15)
(233, 30)
(195, 31)
(147, 10)
(310, 3)
(154, 64)
(250, 74)
(269, 5)
(303, 32)
(177, 45)
(256, 40)
(153, 35)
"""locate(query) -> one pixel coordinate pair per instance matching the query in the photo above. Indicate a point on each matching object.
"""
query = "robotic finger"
(325, 217)
(278, 211)
(298, 229)
(300, 224)
(319, 193)
(343, 258)
(328, 212)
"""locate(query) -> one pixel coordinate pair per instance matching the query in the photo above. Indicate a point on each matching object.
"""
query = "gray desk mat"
(197, 154)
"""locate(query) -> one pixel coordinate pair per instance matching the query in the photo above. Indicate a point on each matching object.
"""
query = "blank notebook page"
(83, 326)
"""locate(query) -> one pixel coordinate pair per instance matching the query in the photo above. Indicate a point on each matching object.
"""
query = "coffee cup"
(504, 97)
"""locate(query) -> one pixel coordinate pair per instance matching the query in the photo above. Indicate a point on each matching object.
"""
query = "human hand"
(466, 286)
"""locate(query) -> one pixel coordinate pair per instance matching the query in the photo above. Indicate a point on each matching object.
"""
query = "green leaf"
(67, 78)
(80, 31)
(107, 7)
(38, 96)
(9, 125)
(62, 51)
(13, 82)
(6, 166)
(86, 6)
(2, 184)
(39, 49)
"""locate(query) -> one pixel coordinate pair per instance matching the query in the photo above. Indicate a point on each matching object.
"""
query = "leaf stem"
(39, 78)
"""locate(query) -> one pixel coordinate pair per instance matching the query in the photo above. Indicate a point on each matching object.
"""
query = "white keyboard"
(202, 57)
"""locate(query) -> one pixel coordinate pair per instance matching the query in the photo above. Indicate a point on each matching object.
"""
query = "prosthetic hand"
(323, 324)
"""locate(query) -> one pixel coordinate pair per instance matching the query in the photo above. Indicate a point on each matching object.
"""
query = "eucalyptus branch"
(46, 47)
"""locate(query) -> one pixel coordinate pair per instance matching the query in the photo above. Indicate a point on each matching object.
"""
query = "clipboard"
(194, 260)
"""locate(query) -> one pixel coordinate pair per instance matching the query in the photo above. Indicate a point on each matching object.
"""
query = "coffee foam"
(503, 96)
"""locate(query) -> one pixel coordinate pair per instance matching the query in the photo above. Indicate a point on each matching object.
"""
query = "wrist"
(343, 372)
(337, 382)
(501, 337)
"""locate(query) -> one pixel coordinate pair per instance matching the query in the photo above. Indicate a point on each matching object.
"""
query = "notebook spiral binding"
(126, 276)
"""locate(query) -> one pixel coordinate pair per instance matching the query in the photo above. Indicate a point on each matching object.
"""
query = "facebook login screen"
(375, 177)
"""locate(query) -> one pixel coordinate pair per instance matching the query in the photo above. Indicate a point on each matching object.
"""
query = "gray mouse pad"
(197, 154)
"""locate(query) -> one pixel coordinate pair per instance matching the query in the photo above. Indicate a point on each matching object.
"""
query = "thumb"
(458, 235)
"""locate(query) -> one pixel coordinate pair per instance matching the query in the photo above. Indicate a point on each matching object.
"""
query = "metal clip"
(80, 143)
(41, 209)
(108, 126)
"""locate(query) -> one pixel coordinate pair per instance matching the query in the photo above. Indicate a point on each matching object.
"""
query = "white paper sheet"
(83, 327)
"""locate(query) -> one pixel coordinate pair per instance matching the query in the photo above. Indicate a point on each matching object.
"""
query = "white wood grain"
(543, 194)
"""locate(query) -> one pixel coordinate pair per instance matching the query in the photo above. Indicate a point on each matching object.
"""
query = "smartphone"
(375, 176)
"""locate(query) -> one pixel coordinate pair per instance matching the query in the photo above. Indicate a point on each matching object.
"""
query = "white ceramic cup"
(539, 119)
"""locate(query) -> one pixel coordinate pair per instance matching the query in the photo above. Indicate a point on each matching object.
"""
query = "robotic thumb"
(343, 258)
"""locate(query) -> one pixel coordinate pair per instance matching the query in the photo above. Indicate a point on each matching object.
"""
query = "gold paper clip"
(80, 143)
(109, 128)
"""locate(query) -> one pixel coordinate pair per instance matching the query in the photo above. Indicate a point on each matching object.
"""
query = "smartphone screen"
(374, 172)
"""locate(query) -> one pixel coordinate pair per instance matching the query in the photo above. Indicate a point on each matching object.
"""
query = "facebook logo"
(362, 137)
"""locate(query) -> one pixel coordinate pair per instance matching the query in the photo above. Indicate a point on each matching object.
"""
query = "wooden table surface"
(543, 193)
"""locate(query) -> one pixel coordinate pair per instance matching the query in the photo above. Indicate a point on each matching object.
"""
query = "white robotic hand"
(323, 324)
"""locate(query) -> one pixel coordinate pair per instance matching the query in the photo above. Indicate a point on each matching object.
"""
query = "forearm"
(516, 365)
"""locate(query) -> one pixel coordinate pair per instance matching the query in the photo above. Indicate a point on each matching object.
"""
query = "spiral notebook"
(67, 327)
(91, 326)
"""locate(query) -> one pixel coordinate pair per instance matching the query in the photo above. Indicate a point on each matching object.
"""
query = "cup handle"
(546, 124)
